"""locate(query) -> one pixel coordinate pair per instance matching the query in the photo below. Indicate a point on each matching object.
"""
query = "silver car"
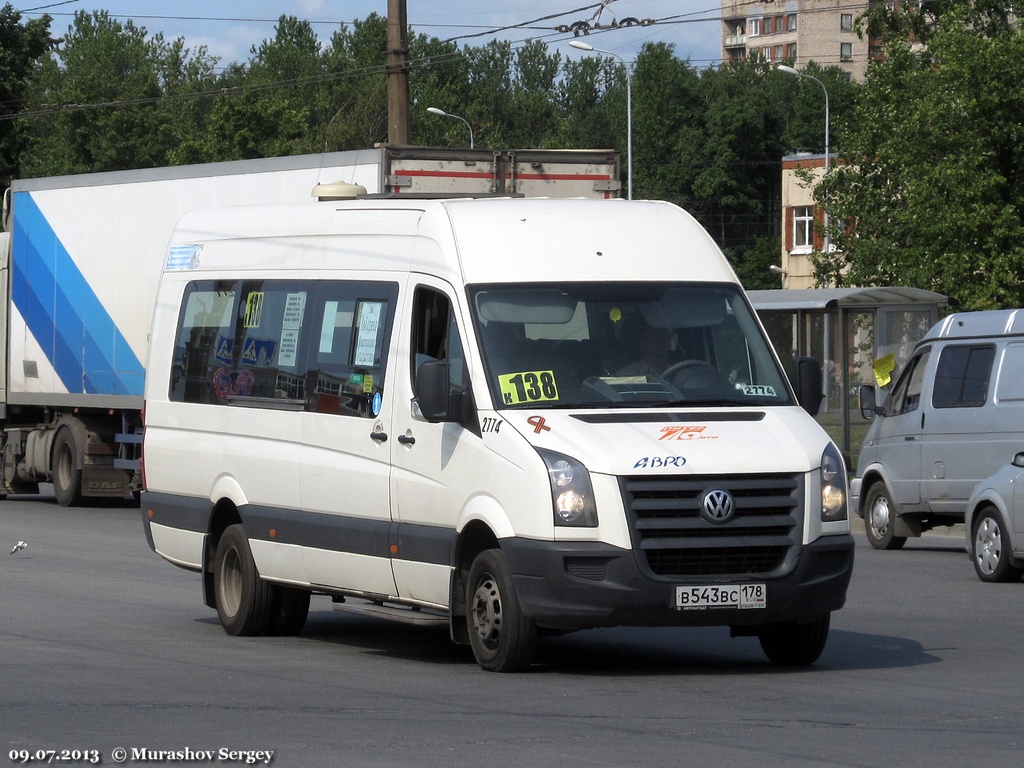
(995, 524)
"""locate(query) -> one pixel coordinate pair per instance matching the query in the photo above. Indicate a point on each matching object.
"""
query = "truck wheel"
(289, 612)
(502, 638)
(67, 477)
(880, 520)
(795, 645)
(243, 599)
(990, 548)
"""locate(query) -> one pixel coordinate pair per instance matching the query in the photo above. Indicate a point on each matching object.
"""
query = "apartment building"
(800, 236)
(797, 32)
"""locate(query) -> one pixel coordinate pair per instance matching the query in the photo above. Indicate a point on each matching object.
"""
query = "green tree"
(271, 101)
(669, 120)
(753, 264)
(356, 114)
(583, 118)
(931, 190)
(21, 46)
(108, 85)
(439, 78)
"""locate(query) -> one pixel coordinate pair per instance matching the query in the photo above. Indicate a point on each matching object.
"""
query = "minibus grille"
(674, 539)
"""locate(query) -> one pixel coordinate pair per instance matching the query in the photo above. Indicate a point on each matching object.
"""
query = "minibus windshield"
(602, 345)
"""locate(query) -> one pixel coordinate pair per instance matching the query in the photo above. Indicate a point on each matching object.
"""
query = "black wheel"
(244, 600)
(289, 611)
(990, 548)
(67, 477)
(503, 639)
(880, 519)
(793, 644)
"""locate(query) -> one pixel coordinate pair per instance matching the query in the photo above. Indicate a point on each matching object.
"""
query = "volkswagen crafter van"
(431, 410)
(953, 417)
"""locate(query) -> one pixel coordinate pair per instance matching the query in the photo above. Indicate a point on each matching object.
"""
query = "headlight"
(833, 485)
(572, 496)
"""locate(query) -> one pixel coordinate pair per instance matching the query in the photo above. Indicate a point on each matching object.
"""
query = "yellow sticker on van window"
(883, 368)
(527, 387)
(253, 309)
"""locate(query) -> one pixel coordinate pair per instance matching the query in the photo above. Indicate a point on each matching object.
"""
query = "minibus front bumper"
(581, 585)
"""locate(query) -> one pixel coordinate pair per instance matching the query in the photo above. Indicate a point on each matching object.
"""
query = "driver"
(655, 343)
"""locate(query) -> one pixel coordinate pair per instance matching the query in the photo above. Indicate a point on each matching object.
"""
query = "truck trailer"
(81, 256)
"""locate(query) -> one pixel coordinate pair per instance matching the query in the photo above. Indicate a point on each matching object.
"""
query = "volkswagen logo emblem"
(717, 506)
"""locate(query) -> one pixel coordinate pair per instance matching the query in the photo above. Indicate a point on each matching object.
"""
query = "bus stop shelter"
(847, 329)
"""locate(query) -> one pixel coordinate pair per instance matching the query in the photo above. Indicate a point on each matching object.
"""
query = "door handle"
(407, 439)
(379, 436)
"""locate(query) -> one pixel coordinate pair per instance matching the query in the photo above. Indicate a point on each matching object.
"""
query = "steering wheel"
(692, 369)
(676, 367)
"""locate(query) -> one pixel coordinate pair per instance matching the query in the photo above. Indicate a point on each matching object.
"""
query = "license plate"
(740, 596)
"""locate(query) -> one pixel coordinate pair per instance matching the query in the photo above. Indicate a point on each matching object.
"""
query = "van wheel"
(290, 609)
(795, 645)
(502, 638)
(67, 477)
(244, 600)
(880, 520)
(990, 548)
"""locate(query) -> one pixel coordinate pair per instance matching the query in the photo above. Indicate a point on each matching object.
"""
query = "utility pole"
(398, 73)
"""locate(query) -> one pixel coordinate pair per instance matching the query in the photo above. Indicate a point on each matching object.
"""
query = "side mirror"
(807, 382)
(431, 388)
(436, 400)
(868, 406)
(1018, 460)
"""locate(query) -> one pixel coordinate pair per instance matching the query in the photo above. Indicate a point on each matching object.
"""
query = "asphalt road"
(104, 646)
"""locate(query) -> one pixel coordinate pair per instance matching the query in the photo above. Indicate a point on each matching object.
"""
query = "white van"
(424, 409)
(954, 414)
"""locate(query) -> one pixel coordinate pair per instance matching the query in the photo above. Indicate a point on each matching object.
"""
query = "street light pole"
(580, 45)
(826, 340)
(442, 113)
(790, 71)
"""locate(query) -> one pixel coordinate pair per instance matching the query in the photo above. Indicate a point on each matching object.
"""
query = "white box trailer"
(82, 255)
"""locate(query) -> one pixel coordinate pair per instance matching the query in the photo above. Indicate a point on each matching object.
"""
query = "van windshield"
(606, 345)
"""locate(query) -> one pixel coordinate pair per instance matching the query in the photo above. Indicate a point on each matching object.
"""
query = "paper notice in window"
(883, 368)
(370, 315)
(294, 306)
(289, 348)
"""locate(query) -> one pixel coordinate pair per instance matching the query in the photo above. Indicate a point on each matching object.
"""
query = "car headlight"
(833, 485)
(572, 495)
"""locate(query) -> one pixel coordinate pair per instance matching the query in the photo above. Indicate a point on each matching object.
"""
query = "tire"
(502, 638)
(289, 611)
(793, 644)
(990, 548)
(67, 477)
(880, 519)
(244, 601)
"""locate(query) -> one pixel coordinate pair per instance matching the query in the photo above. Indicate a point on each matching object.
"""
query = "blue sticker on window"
(376, 403)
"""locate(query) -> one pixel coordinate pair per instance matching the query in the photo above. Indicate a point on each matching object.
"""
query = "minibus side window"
(284, 344)
(962, 376)
(268, 360)
(436, 335)
(349, 329)
(205, 341)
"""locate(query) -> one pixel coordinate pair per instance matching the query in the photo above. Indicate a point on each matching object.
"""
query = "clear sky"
(230, 28)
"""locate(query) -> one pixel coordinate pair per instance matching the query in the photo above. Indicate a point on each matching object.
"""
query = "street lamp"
(442, 113)
(790, 71)
(580, 45)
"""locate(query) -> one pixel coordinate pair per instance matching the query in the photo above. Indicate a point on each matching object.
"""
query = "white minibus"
(512, 417)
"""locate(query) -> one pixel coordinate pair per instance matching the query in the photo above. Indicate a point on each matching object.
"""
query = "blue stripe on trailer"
(67, 319)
